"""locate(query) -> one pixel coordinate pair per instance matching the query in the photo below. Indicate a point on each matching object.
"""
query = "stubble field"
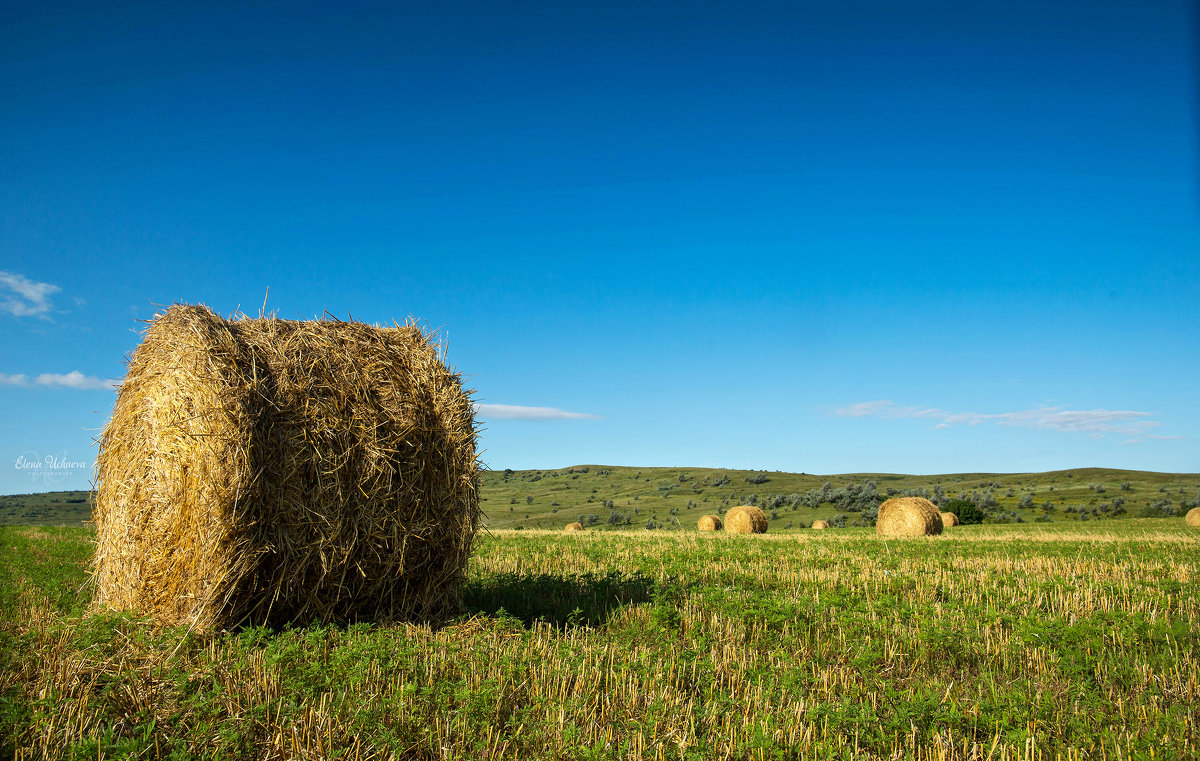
(1003, 642)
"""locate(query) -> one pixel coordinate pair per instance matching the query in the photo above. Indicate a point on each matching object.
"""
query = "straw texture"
(1193, 517)
(820, 525)
(908, 516)
(709, 523)
(746, 519)
(949, 519)
(572, 527)
(267, 471)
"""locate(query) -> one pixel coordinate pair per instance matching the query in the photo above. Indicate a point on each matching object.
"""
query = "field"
(606, 497)
(1063, 640)
(60, 508)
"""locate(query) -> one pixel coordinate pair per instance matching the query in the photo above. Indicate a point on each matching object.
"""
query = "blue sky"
(919, 237)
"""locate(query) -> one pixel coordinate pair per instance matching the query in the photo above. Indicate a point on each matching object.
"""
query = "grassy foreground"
(1055, 641)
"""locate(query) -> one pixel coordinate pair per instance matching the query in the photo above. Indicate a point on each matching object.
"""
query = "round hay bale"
(820, 525)
(949, 519)
(267, 471)
(1193, 517)
(709, 523)
(746, 519)
(572, 527)
(908, 516)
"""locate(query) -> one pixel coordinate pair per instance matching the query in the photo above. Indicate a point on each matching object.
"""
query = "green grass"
(56, 508)
(1062, 640)
(643, 494)
(651, 494)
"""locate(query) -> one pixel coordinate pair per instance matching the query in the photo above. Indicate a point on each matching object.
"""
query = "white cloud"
(516, 412)
(73, 379)
(22, 297)
(1093, 422)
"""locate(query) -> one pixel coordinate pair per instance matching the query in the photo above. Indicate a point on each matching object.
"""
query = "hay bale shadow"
(585, 599)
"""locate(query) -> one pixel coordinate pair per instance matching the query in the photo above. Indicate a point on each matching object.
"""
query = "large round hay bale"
(820, 525)
(266, 470)
(746, 519)
(1193, 517)
(572, 527)
(709, 523)
(949, 519)
(908, 516)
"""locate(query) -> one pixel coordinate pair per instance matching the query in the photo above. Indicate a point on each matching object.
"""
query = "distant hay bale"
(820, 525)
(908, 516)
(267, 471)
(746, 519)
(709, 523)
(573, 527)
(1193, 517)
(949, 519)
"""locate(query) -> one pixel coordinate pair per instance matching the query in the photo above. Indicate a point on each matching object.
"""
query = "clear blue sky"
(859, 236)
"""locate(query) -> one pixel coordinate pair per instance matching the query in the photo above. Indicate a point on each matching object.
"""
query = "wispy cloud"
(22, 297)
(1093, 422)
(73, 379)
(516, 412)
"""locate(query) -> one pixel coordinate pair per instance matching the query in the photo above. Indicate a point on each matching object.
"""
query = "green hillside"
(624, 497)
(613, 497)
(54, 508)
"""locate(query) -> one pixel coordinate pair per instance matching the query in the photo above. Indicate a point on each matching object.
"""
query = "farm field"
(1063, 640)
(604, 497)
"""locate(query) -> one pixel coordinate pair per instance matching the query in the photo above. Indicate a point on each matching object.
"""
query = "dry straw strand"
(908, 516)
(1193, 517)
(259, 470)
(949, 519)
(709, 523)
(820, 525)
(746, 519)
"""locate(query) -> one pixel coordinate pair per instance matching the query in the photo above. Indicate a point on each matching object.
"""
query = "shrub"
(1002, 517)
(1160, 508)
(968, 513)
